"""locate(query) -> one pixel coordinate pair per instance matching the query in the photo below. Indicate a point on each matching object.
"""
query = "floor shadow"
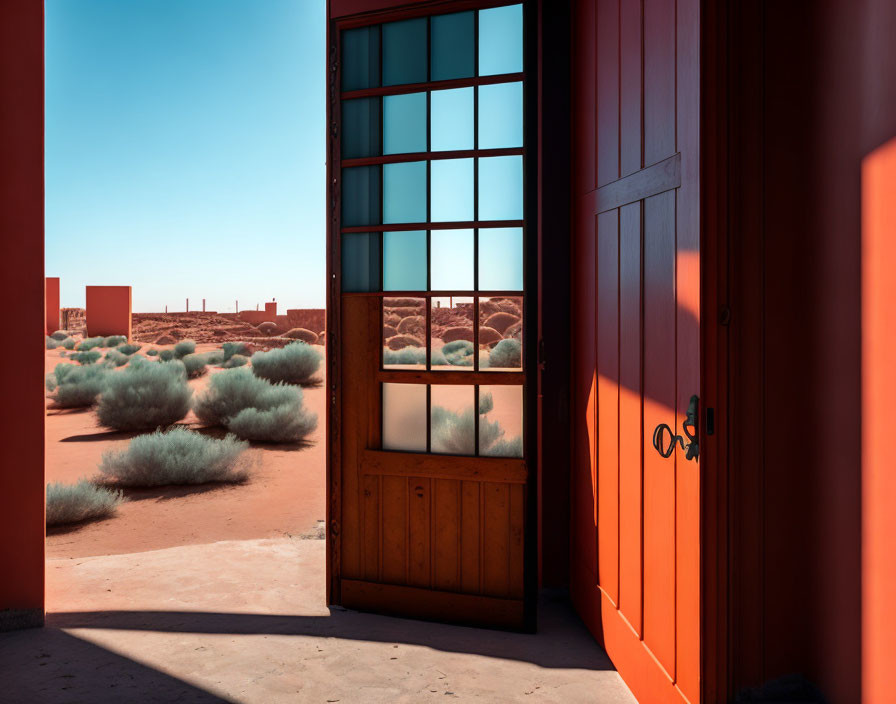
(63, 411)
(75, 527)
(165, 493)
(104, 436)
(561, 642)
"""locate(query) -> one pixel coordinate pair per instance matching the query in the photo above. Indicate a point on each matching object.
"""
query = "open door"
(430, 491)
(636, 557)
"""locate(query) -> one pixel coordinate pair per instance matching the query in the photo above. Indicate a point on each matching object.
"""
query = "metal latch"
(690, 428)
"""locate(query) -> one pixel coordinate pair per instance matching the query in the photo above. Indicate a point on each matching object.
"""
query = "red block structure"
(109, 310)
(51, 302)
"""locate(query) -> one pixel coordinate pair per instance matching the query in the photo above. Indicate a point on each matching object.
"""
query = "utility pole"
(203, 305)
(188, 305)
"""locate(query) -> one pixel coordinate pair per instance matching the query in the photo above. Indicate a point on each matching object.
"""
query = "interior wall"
(22, 291)
(824, 74)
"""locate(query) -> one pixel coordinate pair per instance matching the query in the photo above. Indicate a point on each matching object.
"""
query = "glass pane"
(404, 333)
(404, 261)
(452, 260)
(361, 196)
(501, 188)
(500, 333)
(501, 40)
(404, 417)
(360, 128)
(501, 259)
(361, 58)
(452, 119)
(452, 46)
(404, 52)
(453, 426)
(404, 123)
(501, 421)
(361, 261)
(451, 326)
(404, 192)
(452, 190)
(501, 116)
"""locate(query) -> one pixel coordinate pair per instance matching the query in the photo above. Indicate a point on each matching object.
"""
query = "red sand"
(284, 496)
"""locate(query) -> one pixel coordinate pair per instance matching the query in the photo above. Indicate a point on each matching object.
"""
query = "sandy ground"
(284, 496)
(246, 621)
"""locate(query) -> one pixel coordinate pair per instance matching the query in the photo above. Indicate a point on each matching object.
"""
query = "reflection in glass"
(501, 116)
(501, 259)
(404, 417)
(501, 333)
(452, 46)
(404, 123)
(404, 52)
(451, 327)
(501, 40)
(452, 260)
(404, 333)
(452, 119)
(501, 421)
(360, 128)
(404, 261)
(404, 192)
(361, 196)
(451, 190)
(452, 427)
(360, 58)
(361, 261)
(501, 188)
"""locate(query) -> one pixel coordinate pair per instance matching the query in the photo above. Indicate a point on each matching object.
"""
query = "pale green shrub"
(69, 343)
(114, 341)
(86, 356)
(176, 456)
(236, 360)
(60, 335)
(145, 395)
(91, 342)
(52, 344)
(116, 358)
(166, 355)
(183, 348)
(76, 387)
(507, 353)
(296, 363)
(454, 433)
(459, 353)
(195, 365)
(73, 503)
(152, 353)
(214, 357)
(231, 348)
(129, 348)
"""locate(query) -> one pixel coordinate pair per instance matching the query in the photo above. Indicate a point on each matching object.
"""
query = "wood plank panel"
(630, 87)
(659, 80)
(470, 527)
(446, 540)
(370, 531)
(419, 531)
(413, 464)
(630, 431)
(659, 407)
(607, 75)
(394, 529)
(516, 564)
(496, 539)
(607, 277)
(585, 114)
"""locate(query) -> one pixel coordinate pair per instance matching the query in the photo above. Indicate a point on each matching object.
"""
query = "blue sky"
(185, 150)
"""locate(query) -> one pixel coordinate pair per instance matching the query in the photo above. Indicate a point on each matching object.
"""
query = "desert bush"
(69, 343)
(296, 363)
(507, 353)
(52, 344)
(115, 341)
(488, 336)
(195, 365)
(152, 353)
(91, 342)
(85, 356)
(60, 335)
(176, 456)
(457, 332)
(82, 501)
(62, 353)
(255, 409)
(214, 357)
(76, 387)
(129, 348)
(232, 348)
(268, 328)
(454, 433)
(398, 342)
(145, 395)
(116, 358)
(501, 321)
(406, 355)
(236, 360)
(459, 353)
(412, 325)
(183, 348)
(166, 355)
(302, 334)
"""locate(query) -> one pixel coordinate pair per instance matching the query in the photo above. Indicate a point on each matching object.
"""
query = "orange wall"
(109, 310)
(22, 286)
(52, 304)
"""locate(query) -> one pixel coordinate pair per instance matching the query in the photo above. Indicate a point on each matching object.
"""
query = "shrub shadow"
(104, 435)
(63, 411)
(171, 491)
(65, 528)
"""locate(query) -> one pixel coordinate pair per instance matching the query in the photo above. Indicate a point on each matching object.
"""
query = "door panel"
(636, 338)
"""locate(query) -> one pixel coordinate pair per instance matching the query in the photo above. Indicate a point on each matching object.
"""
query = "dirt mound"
(202, 327)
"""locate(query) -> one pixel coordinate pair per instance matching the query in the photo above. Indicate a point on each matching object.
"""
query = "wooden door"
(636, 515)
(430, 493)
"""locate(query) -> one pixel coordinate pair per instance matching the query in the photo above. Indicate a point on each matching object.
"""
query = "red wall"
(22, 286)
(109, 310)
(52, 304)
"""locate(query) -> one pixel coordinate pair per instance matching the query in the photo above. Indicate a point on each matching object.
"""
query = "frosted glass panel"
(361, 261)
(501, 421)
(404, 417)
(452, 260)
(361, 196)
(404, 333)
(404, 261)
(452, 422)
(501, 40)
(404, 123)
(404, 52)
(501, 188)
(452, 46)
(451, 325)
(451, 195)
(501, 333)
(501, 259)
(404, 192)
(361, 58)
(501, 116)
(452, 119)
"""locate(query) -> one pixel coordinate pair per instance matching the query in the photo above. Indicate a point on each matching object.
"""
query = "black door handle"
(690, 428)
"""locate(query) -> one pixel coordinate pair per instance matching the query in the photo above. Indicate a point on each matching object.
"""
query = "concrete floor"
(245, 621)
